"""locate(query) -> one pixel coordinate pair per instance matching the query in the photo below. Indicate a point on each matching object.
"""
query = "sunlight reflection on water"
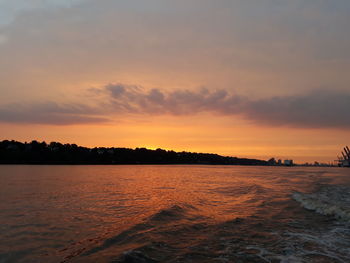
(57, 213)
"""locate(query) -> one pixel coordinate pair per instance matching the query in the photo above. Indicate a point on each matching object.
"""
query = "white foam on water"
(306, 246)
(329, 200)
(331, 244)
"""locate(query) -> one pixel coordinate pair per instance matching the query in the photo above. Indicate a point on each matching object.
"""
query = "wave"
(180, 233)
(250, 239)
(175, 212)
(331, 200)
(170, 235)
(168, 221)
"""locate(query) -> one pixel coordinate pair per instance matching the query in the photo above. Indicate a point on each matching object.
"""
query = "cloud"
(178, 102)
(265, 46)
(317, 109)
(49, 113)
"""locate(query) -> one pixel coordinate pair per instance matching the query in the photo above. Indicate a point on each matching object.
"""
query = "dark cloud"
(179, 102)
(318, 109)
(49, 113)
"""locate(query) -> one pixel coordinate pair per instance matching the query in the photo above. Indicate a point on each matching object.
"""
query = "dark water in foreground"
(174, 214)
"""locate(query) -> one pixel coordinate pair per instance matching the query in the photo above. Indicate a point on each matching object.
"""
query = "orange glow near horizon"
(196, 134)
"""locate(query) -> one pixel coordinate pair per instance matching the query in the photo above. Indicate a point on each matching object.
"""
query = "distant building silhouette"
(288, 162)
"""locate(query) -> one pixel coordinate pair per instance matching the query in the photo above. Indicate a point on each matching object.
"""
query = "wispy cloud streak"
(50, 113)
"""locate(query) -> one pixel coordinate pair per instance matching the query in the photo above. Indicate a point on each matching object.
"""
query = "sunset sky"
(247, 78)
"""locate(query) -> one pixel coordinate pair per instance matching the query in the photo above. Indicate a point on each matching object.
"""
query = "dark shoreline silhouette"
(14, 152)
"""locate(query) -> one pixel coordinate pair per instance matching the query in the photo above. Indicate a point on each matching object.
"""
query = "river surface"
(174, 214)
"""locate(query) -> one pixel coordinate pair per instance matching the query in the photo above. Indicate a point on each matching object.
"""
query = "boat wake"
(180, 234)
(333, 200)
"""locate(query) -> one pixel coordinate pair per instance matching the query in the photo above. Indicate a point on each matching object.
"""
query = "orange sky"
(241, 78)
(194, 134)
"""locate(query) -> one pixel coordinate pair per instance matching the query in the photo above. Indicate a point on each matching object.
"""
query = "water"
(174, 214)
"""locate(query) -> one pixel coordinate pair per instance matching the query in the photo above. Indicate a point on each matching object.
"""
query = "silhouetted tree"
(13, 152)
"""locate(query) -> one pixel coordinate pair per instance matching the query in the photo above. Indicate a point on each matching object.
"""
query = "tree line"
(14, 152)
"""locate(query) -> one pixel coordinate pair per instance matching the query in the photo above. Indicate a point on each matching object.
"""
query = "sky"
(247, 78)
